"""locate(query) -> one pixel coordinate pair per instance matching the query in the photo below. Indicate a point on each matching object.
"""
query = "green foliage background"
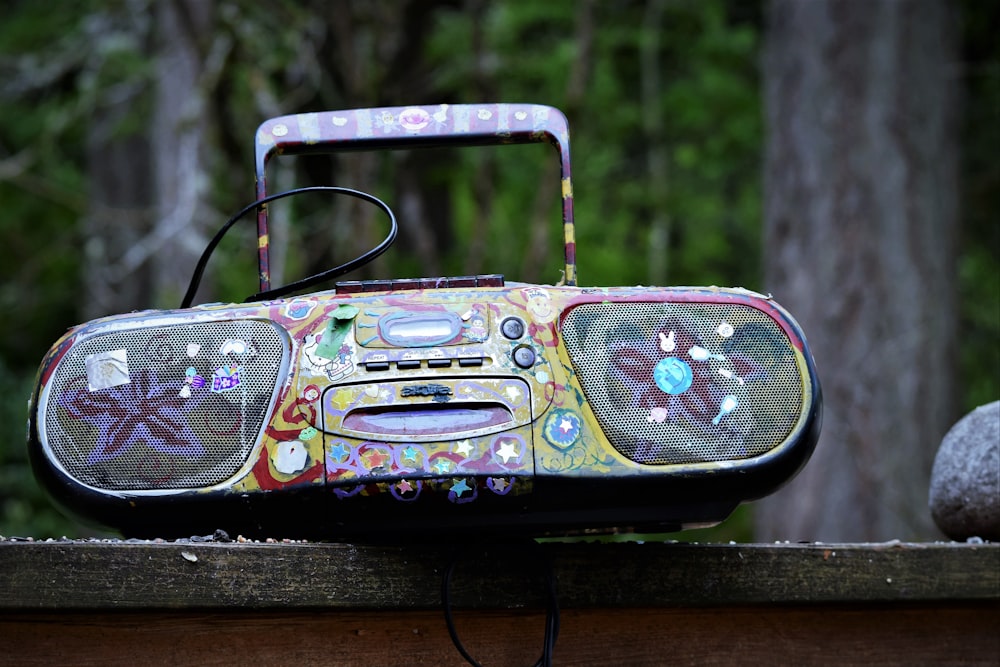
(680, 93)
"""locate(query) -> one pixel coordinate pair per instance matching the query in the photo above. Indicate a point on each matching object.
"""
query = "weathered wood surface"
(642, 604)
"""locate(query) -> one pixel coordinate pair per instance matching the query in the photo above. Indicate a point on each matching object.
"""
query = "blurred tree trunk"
(118, 213)
(146, 204)
(119, 185)
(860, 236)
(178, 132)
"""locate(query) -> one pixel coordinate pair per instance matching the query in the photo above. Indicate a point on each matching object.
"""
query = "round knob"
(512, 328)
(524, 356)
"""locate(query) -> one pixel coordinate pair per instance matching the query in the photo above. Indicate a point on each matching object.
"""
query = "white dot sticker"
(725, 329)
(279, 130)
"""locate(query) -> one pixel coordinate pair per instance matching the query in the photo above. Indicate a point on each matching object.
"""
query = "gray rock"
(965, 480)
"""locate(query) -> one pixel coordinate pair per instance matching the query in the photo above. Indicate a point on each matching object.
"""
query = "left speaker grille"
(163, 407)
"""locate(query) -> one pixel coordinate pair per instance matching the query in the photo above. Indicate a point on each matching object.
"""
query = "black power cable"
(330, 274)
(551, 609)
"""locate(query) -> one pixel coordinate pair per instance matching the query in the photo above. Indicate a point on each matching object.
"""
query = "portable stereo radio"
(414, 407)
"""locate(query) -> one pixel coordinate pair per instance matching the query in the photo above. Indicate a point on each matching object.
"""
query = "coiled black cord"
(330, 274)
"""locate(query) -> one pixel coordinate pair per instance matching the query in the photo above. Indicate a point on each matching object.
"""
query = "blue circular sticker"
(673, 375)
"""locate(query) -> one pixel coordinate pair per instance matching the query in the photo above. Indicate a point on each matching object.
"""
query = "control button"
(471, 361)
(438, 363)
(524, 356)
(377, 366)
(512, 328)
(408, 364)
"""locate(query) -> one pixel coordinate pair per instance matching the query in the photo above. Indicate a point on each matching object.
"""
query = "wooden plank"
(120, 575)
(799, 635)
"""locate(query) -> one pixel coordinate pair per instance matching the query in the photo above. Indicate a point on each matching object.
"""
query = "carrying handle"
(413, 127)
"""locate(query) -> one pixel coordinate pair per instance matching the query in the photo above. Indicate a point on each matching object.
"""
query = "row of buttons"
(413, 364)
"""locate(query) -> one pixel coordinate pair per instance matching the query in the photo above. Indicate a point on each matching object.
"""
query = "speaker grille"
(683, 383)
(163, 407)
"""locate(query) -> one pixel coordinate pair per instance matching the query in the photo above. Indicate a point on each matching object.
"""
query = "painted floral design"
(634, 365)
(144, 410)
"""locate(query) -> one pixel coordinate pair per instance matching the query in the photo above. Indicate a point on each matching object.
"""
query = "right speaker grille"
(674, 383)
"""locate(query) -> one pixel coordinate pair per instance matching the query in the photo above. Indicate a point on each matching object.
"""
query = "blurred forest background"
(842, 156)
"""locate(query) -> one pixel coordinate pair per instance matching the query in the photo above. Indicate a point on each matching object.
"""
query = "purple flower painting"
(143, 410)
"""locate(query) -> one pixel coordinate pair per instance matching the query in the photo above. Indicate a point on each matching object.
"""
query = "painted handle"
(411, 127)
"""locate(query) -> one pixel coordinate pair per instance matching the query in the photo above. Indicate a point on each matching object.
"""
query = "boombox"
(416, 407)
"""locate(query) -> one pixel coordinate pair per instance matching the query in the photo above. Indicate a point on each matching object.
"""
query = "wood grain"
(638, 604)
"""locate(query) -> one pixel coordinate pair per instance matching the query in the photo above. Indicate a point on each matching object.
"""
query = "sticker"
(414, 119)
(341, 365)
(339, 452)
(375, 459)
(667, 343)
(507, 451)
(299, 310)
(406, 490)
(698, 353)
(461, 492)
(476, 329)
(499, 485)
(729, 375)
(673, 375)
(279, 130)
(309, 127)
(725, 329)
(193, 349)
(107, 369)
(464, 447)
(308, 433)
(562, 428)
(520, 115)
(339, 121)
(484, 114)
(337, 327)
(289, 457)
(226, 378)
(235, 346)
(539, 305)
(441, 115)
(657, 415)
(729, 403)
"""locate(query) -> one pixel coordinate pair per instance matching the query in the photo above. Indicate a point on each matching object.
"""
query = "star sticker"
(410, 454)
(339, 453)
(507, 451)
(565, 425)
(464, 447)
(376, 459)
(442, 465)
(460, 487)
(499, 484)
(513, 393)
(404, 486)
(341, 399)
